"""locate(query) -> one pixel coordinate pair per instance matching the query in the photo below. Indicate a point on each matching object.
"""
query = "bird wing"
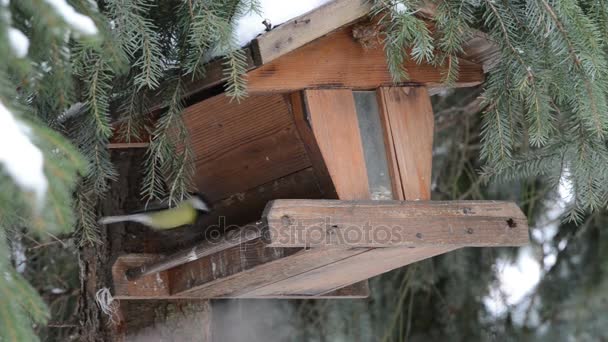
(154, 206)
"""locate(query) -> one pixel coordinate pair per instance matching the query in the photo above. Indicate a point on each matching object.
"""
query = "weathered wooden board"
(312, 148)
(323, 223)
(307, 27)
(230, 238)
(237, 284)
(408, 119)
(150, 286)
(334, 123)
(241, 146)
(338, 61)
(365, 265)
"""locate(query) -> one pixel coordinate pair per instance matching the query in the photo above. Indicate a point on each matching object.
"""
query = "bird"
(163, 218)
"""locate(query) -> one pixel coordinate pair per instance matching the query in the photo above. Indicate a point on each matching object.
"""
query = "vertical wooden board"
(239, 146)
(408, 118)
(300, 119)
(334, 124)
(391, 154)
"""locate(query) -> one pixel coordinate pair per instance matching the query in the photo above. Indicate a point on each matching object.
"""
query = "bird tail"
(122, 218)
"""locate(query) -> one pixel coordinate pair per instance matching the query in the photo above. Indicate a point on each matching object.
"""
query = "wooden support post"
(407, 117)
(327, 223)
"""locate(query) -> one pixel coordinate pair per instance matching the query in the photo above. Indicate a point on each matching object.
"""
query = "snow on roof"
(277, 12)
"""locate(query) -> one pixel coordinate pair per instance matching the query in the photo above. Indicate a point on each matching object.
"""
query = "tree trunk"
(134, 320)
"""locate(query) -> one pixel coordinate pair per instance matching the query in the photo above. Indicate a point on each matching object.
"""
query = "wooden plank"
(231, 238)
(307, 27)
(338, 274)
(338, 61)
(323, 223)
(150, 286)
(333, 118)
(239, 146)
(238, 284)
(391, 153)
(298, 111)
(408, 119)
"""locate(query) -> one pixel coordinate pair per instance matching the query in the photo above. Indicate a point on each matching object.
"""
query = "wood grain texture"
(343, 272)
(239, 284)
(323, 223)
(231, 238)
(338, 61)
(333, 118)
(298, 111)
(307, 27)
(150, 286)
(408, 118)
(239, 146)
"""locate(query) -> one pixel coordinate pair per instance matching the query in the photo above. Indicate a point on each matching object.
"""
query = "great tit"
(185, 212)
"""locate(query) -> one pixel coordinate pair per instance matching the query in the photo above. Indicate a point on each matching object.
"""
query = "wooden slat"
(408, 118)
(307, 27)
(343, 272)
(239, 146)
(323, 223)
(312, 148)
(150, 286)
(238, 284)
(333, 118)
(231, 238)
(338, 61)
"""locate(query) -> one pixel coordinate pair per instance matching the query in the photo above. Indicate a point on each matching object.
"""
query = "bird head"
(200, 202)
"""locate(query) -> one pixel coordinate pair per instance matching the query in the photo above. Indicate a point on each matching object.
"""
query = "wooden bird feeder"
(321, 178)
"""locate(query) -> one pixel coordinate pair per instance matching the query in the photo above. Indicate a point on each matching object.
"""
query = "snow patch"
(277, 12)
(21, 159)
(19, 42)
(79, 22)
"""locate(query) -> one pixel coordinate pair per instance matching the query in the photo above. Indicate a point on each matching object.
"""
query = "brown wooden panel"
(238, 284)
(312, 148)
(239, 146)
(337, 60)
(336, 129)
(323, 223)
(408, 119)
(338, 274)
(154, 285)
(231, 238)
(308, 27)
